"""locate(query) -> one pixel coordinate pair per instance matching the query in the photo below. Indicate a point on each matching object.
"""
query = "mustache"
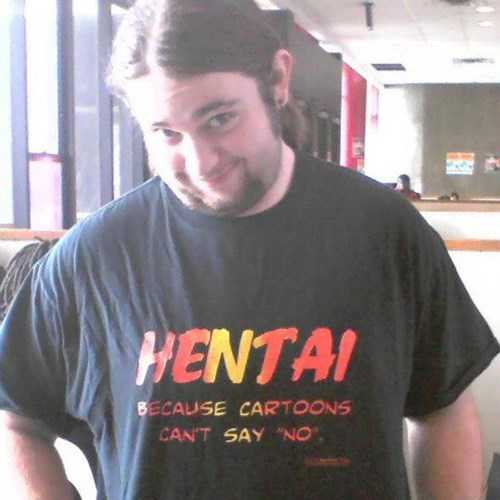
(213, 173)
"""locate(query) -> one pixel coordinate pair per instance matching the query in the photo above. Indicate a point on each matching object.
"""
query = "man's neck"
(281, 185)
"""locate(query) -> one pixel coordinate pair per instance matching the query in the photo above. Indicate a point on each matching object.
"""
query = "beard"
(251, 191)
(223, 208)
(250, 184)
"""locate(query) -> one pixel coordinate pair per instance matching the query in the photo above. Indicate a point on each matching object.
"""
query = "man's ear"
(282, 74)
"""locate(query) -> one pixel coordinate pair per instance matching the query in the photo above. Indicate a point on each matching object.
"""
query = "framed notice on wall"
(492, 163)
(460, 163)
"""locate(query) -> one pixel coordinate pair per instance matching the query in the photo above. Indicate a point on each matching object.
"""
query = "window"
(65, 147)
(6, 187)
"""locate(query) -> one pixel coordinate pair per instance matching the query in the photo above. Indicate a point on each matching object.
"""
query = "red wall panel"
(353, 118)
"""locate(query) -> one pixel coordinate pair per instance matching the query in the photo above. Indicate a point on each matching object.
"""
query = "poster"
(460, 163)
(492, 163)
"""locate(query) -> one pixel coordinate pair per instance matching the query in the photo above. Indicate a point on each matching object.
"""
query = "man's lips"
(219, 176)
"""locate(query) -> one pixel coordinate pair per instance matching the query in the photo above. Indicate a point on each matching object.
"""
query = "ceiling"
(425, 36)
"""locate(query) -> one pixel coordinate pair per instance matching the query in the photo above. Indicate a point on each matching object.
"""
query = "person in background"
(252, 322)
(403, 187)
(454, 196)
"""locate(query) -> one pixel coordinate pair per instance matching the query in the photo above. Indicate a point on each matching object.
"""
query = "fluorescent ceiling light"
(485, 24)
(484, 8)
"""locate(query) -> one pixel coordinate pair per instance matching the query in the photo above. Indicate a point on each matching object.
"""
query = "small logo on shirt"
(327, 462)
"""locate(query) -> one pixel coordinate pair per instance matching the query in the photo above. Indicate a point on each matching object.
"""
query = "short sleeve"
(453, 342)
(32, 364)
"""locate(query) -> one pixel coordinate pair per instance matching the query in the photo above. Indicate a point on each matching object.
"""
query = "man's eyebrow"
(204, 110)
(211, 106)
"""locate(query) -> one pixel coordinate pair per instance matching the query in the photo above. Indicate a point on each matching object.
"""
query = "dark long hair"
(191, 37)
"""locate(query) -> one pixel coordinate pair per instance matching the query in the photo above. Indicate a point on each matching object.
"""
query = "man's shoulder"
(125, 218)
(128, 212)
(342, 190)
(348, 202)
(337, 177)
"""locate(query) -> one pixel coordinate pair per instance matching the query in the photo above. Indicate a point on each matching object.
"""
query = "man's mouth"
(220, 175)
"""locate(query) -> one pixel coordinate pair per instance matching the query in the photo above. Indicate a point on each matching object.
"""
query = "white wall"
(77, 469)
(465, 225)
(395, 148)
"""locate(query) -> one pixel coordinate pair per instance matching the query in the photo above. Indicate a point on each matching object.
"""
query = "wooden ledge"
(473, 245)
(29, 234)
(457, 206)
(455, 245)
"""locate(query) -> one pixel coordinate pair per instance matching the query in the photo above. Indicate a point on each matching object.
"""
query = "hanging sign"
(460, 163)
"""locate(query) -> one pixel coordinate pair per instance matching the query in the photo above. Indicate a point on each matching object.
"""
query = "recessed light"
(389, 67)
(483, 7)
(485, 24)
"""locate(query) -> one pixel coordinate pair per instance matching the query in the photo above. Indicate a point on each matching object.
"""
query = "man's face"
(209, 137)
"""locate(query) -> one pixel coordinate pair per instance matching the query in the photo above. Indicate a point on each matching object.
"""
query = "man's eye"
(170, 135)
(221, 120)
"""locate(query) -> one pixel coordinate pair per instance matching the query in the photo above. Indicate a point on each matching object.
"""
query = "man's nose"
(201, 157)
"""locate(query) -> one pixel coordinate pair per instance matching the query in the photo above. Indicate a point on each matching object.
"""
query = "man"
(251, 323)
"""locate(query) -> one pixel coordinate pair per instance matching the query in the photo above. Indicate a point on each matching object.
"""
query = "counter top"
(29, 234)
(457, 206)
(473, 245)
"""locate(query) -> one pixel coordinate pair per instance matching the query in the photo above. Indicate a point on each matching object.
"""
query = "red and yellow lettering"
(273, 341)
(346, 349)
(271, 407)
(220, 347)
(301, 434)
(148, 357)
(185, 356)
(317, 354)
(166, 409)
(320, 341)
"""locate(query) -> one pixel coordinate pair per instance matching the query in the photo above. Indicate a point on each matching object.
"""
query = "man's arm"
(30, 467)
(445, 452)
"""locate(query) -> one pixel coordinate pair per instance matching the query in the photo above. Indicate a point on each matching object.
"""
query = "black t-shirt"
(270, 356)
